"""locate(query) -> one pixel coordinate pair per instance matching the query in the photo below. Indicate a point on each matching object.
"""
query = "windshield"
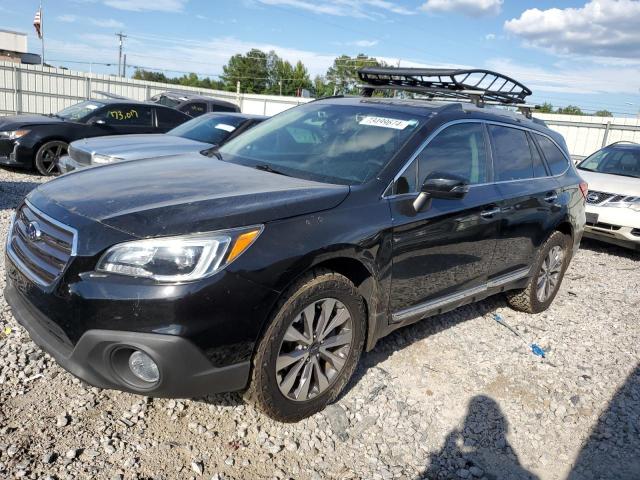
(79, 111)
(341, 144)
(614, 161)
(214, 129)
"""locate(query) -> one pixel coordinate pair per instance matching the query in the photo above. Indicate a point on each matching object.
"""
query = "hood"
(185, 194)
(131, 147)
(14, 122)
(617, 184)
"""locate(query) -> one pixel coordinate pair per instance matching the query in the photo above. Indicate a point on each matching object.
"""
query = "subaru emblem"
(33, 231)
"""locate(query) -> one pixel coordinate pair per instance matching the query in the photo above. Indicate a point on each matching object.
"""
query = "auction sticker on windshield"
(387, 122)
(225, 127)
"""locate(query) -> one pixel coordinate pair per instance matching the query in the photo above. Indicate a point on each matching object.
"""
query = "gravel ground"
(456, 396)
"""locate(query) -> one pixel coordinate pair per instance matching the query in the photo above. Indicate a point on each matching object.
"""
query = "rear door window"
(539, 169)
(195, 109)
(511, 153)
(556, 160)
(169, 118)
(127, 115)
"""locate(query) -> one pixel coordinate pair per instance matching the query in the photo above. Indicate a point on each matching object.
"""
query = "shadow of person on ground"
(480, 449)
(612, 451)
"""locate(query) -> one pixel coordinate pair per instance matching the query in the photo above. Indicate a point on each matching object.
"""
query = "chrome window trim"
(442, 127)
(26, 271)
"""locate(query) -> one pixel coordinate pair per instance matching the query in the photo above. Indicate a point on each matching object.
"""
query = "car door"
(122, 118)
(529, 198)
(447, 247)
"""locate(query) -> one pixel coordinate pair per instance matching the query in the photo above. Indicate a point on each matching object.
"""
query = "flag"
(37, 23)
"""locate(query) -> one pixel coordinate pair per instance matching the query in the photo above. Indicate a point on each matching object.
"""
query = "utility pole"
(121, 36)
(124, 66)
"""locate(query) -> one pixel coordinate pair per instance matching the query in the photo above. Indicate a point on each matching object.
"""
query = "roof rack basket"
(474, 85)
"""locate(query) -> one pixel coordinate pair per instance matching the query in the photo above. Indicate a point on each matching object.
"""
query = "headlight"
(626, 202)
(100, 159)
(176, 259)
(13, 134)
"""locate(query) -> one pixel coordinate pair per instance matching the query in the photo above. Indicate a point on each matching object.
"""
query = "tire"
(47, 156)
(528, 299)
(270, 388)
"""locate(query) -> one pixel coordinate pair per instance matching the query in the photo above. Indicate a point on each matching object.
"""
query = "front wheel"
(47, 157)
(548, 271)
(311, 348)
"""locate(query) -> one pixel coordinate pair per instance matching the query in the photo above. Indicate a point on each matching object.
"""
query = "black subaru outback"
(271, 265)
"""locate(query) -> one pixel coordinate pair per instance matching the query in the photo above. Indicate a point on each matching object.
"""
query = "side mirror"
(96, 121)
(441, 185)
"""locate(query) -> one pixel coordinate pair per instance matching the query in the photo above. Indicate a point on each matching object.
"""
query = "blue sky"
(584, 52)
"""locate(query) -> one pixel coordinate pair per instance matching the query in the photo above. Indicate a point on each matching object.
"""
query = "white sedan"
(613, 201)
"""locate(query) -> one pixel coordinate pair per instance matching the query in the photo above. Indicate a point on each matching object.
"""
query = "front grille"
(39, 245)
(596, 198)
(635, 232)
(79, 155)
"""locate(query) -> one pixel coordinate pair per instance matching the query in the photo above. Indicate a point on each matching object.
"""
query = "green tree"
(251, 69)
(571, 110)
(546, 107)
(603, 113)
(342, 76)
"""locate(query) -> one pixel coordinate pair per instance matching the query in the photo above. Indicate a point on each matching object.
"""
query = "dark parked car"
(196, 135)
(192, 104)
(29, 141)
(310, 237)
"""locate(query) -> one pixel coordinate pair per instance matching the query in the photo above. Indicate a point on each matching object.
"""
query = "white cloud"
(471, 8)
(147, 5)
(342, 8)
(490, 36)
(585, 79)
(601, 28)
(364, 43)
(98, 22)
(66, 18)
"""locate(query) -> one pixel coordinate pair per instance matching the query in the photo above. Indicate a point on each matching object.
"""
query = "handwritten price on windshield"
(119, 115)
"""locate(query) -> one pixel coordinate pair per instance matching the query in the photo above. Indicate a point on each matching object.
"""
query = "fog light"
(143, 367)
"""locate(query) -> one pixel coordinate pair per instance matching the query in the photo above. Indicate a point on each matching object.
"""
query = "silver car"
(201, 133)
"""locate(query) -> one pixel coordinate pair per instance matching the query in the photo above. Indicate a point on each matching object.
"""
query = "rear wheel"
(311, 348)
(552, 261)
(47, 157)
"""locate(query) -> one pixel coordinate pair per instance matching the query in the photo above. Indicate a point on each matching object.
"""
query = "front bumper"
(67, 164)
(185, 371)
(13, 154)
(619, 226)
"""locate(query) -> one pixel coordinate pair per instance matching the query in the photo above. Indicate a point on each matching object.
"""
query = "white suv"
(613, 201)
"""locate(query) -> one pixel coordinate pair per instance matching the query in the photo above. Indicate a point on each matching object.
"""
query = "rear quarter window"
(556, 160)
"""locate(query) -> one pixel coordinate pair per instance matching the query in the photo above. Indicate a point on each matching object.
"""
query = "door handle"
(551, 197)
(491, 212)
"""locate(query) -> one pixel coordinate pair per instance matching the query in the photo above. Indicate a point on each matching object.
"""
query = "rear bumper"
(185, 371)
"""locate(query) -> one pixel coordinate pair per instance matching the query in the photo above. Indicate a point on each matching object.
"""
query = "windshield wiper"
(267, 168)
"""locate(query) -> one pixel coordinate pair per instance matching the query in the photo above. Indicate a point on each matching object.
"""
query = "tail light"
(584, 189)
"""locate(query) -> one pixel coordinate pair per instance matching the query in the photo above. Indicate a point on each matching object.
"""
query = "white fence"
(585, 134)
(36, 89)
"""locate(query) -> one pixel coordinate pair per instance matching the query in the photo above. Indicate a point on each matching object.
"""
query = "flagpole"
(42, 33)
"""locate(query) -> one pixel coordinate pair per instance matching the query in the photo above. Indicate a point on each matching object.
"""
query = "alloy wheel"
(51, 155)
(550, 274)
(314, 349)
